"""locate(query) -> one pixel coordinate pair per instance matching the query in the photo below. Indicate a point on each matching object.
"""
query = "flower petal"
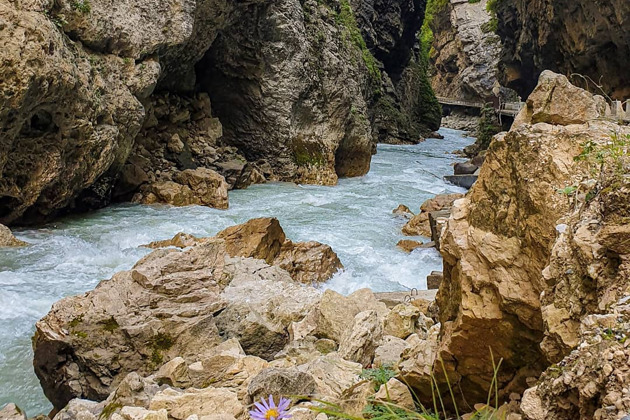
(261, 408)
(272, 403)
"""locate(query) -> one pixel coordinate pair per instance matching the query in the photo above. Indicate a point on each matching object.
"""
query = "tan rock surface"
(8, 240)
(497, 243)
(419, 224)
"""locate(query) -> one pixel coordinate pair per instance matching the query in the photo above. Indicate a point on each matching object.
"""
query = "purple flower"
(269, 411)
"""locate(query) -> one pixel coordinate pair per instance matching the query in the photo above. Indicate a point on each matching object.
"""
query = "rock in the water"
(409, 245)
(403, 211)
(263, 238)
(419, 224)
(465, 168)
(8, 240)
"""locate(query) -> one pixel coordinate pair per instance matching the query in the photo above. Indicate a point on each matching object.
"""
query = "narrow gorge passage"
(73, 254)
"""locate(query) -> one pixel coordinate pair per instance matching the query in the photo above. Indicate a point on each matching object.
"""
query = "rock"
(262, 302)
(556, 101)
(467, 52)
(389, 351)
(437, 221)
(12, 412)
(8, 240)
(180, 404)
(419, 224)
(333, 375)
(199, 186)
(403, 211)
(334, 315)
(354, 400)
(416, 364)
(531, 405)
(278, 382)
(396, 393)
(257, 238)
(465, 168)
(434, 280)
(69, 115)
(401, 321)
(360, 341)
(139, 413)
(408, 245)
(80, 409)
(308, 262)
(497, 243)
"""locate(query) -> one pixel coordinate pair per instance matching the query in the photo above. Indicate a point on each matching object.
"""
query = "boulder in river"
(263, 238)
(419, 224)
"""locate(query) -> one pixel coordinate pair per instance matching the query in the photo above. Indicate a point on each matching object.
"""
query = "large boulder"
(263, 238)
(499, 239)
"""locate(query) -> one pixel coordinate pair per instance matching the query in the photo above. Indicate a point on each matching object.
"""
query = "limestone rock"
(258, 238)
(535, 37)
(12, 412)
(80, 410)
(389, 351)
(419, 224)
(403, 211)
(333, 375)
(408, 245)
(280, 382)
(416, 365)
(359, 342)
(180, 404)
(199, 186)
(8, 240)
(467, 52)
(68, 116)
(263, 238)
(308, 262)
(396, 393)
(335, 314)
(262, 302)
(496, 244)
(401, 321)
(556, 101)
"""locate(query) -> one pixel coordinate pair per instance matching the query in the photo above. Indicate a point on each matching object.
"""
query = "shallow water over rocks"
(355, 218)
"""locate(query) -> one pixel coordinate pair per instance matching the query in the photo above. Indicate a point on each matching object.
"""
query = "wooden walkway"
(508, 108)
(617, 110)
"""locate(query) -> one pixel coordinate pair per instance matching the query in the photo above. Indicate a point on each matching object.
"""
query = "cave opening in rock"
(40, 123)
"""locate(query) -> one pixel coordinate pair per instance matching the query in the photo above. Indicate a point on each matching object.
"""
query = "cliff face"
(290, 87)
(508, 292)
(465, 52)
(585, 37)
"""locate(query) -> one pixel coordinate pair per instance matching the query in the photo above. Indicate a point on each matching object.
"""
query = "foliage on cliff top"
(346, 18)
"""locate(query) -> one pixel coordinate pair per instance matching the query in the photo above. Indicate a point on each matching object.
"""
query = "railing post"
(617, 109)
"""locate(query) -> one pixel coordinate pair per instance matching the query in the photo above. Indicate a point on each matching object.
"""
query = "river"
(71, 255)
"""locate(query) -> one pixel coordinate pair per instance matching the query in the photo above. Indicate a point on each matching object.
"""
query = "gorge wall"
(98, 102)
(583, 37)
(465, 52)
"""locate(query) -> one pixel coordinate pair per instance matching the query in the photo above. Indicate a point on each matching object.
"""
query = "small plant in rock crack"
(82, 6)
(380, 375)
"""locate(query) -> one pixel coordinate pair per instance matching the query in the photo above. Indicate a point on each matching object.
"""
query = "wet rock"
(465, 168)
(8, 240)
(419, 224)
(403, 211)
(409, 245)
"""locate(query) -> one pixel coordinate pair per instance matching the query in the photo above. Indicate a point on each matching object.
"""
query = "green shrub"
(82, 6)
(488, 127)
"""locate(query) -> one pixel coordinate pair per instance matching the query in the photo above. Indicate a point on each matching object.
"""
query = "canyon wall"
(570, 37)
(98, 102)
(464, 52)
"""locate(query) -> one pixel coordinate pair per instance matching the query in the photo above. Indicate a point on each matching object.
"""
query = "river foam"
(72, 255)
